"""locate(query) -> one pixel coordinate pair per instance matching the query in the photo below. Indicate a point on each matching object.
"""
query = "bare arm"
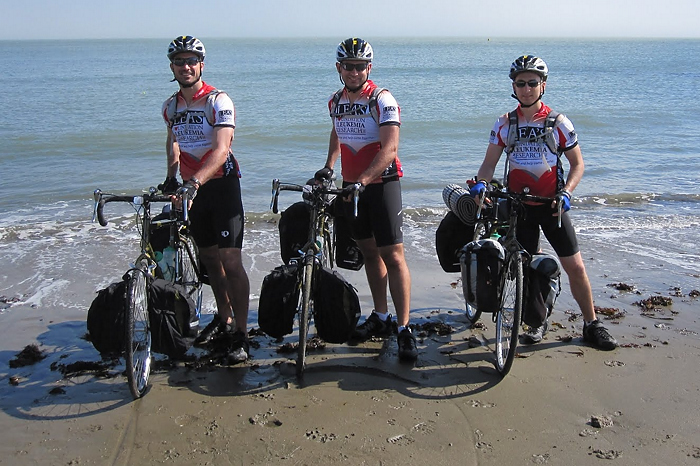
(576, 168)
(333, 149)
(389, 140)
(223, 136)
(172, 150)
(488, 166)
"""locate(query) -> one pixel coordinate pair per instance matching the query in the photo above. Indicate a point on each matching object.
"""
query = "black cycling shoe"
(408, 351)
(373, 326)
(208, 332)
(597, 335)
(239, 350)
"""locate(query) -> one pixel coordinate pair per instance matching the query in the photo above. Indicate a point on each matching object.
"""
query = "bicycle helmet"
(354, 48)
(528, 63)
(186, 44)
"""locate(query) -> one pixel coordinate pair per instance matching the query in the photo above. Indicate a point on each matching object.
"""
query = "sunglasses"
(354, 66)
(191, 61)
(531, 83)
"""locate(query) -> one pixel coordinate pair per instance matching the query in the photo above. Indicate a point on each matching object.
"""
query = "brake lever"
(356, 195)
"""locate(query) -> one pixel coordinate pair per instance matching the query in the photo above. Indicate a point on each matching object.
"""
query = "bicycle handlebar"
(521, 197)
(147, 198)
(278, 186)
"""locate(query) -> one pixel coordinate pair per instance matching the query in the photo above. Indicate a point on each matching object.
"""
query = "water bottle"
(167, 263)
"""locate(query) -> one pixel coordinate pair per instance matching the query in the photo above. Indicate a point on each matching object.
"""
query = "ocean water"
(81, 115)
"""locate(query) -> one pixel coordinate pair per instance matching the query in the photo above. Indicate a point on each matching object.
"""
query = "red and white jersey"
(193, 129)
(358, 132)
(531, 164)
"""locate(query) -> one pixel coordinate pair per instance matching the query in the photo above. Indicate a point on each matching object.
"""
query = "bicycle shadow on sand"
(449, 366)
(68, 380)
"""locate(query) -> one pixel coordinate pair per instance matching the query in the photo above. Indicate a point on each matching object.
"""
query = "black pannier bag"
(294, 230)
(451, 235)
(279, 297)
(106, 320)
(336, 306)
(347, 252)
(481, 263)
(172, 315)
(542, 287)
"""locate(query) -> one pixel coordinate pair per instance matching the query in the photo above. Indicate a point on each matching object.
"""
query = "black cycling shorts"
(563, 240)
(217, 214)
(379, 213)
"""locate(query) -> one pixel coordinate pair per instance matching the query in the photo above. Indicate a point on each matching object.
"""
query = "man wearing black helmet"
(535, 163)
(201, 121)
(365, 136)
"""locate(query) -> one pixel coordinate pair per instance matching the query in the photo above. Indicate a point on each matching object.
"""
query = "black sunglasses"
(354, 66)
(531, 83)
(185, 61)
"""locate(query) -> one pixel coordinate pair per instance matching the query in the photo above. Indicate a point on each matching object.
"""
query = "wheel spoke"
(138, 336)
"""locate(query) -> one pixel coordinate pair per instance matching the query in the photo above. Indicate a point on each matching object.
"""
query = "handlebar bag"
(279, 298)
(336, 306)
(106, 319)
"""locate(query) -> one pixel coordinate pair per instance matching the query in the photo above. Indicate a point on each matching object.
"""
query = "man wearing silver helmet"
(534, 162)
(201, 121)
(365, 136)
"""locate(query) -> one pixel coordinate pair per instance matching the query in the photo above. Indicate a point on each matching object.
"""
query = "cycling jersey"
(532, 164)
(194, 130)
(358, 132)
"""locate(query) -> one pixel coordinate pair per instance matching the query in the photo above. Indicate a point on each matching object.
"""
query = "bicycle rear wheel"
(508, 317)
(480, 231)
(304, 313)
(138, 334)
(189, 268)
(473, 314)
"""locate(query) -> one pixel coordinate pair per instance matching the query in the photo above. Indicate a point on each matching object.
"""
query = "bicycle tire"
(304, 313)
(188, 257)
(473, 314)
(138, 334)
(481, 230)
(509, 314)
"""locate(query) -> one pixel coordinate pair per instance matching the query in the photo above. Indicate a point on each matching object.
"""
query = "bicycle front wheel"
(304, 313)
(138, 334)
(508, 318)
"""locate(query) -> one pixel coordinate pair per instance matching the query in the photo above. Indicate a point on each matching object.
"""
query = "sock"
(401, 327)
(381, 316)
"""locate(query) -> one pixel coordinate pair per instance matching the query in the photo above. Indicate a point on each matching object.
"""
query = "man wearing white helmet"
(365, 136)
(534, 162)
(201, 121)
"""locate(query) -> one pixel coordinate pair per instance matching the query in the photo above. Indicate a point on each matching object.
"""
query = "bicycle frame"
(142, 273)
(317, 251)
(511, 284)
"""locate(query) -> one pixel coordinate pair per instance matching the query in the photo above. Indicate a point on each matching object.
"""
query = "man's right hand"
(478, 188)
(169, 186)
(324, 174)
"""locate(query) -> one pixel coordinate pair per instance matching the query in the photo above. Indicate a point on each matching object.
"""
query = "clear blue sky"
(77, 19)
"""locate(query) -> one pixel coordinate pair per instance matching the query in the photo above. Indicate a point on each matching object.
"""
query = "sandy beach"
(562, 403)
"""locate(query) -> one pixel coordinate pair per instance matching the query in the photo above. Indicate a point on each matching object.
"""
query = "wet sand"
(359, 405)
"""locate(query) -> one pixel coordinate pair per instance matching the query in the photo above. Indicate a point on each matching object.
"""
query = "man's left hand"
(189, 189)
(564, 199)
